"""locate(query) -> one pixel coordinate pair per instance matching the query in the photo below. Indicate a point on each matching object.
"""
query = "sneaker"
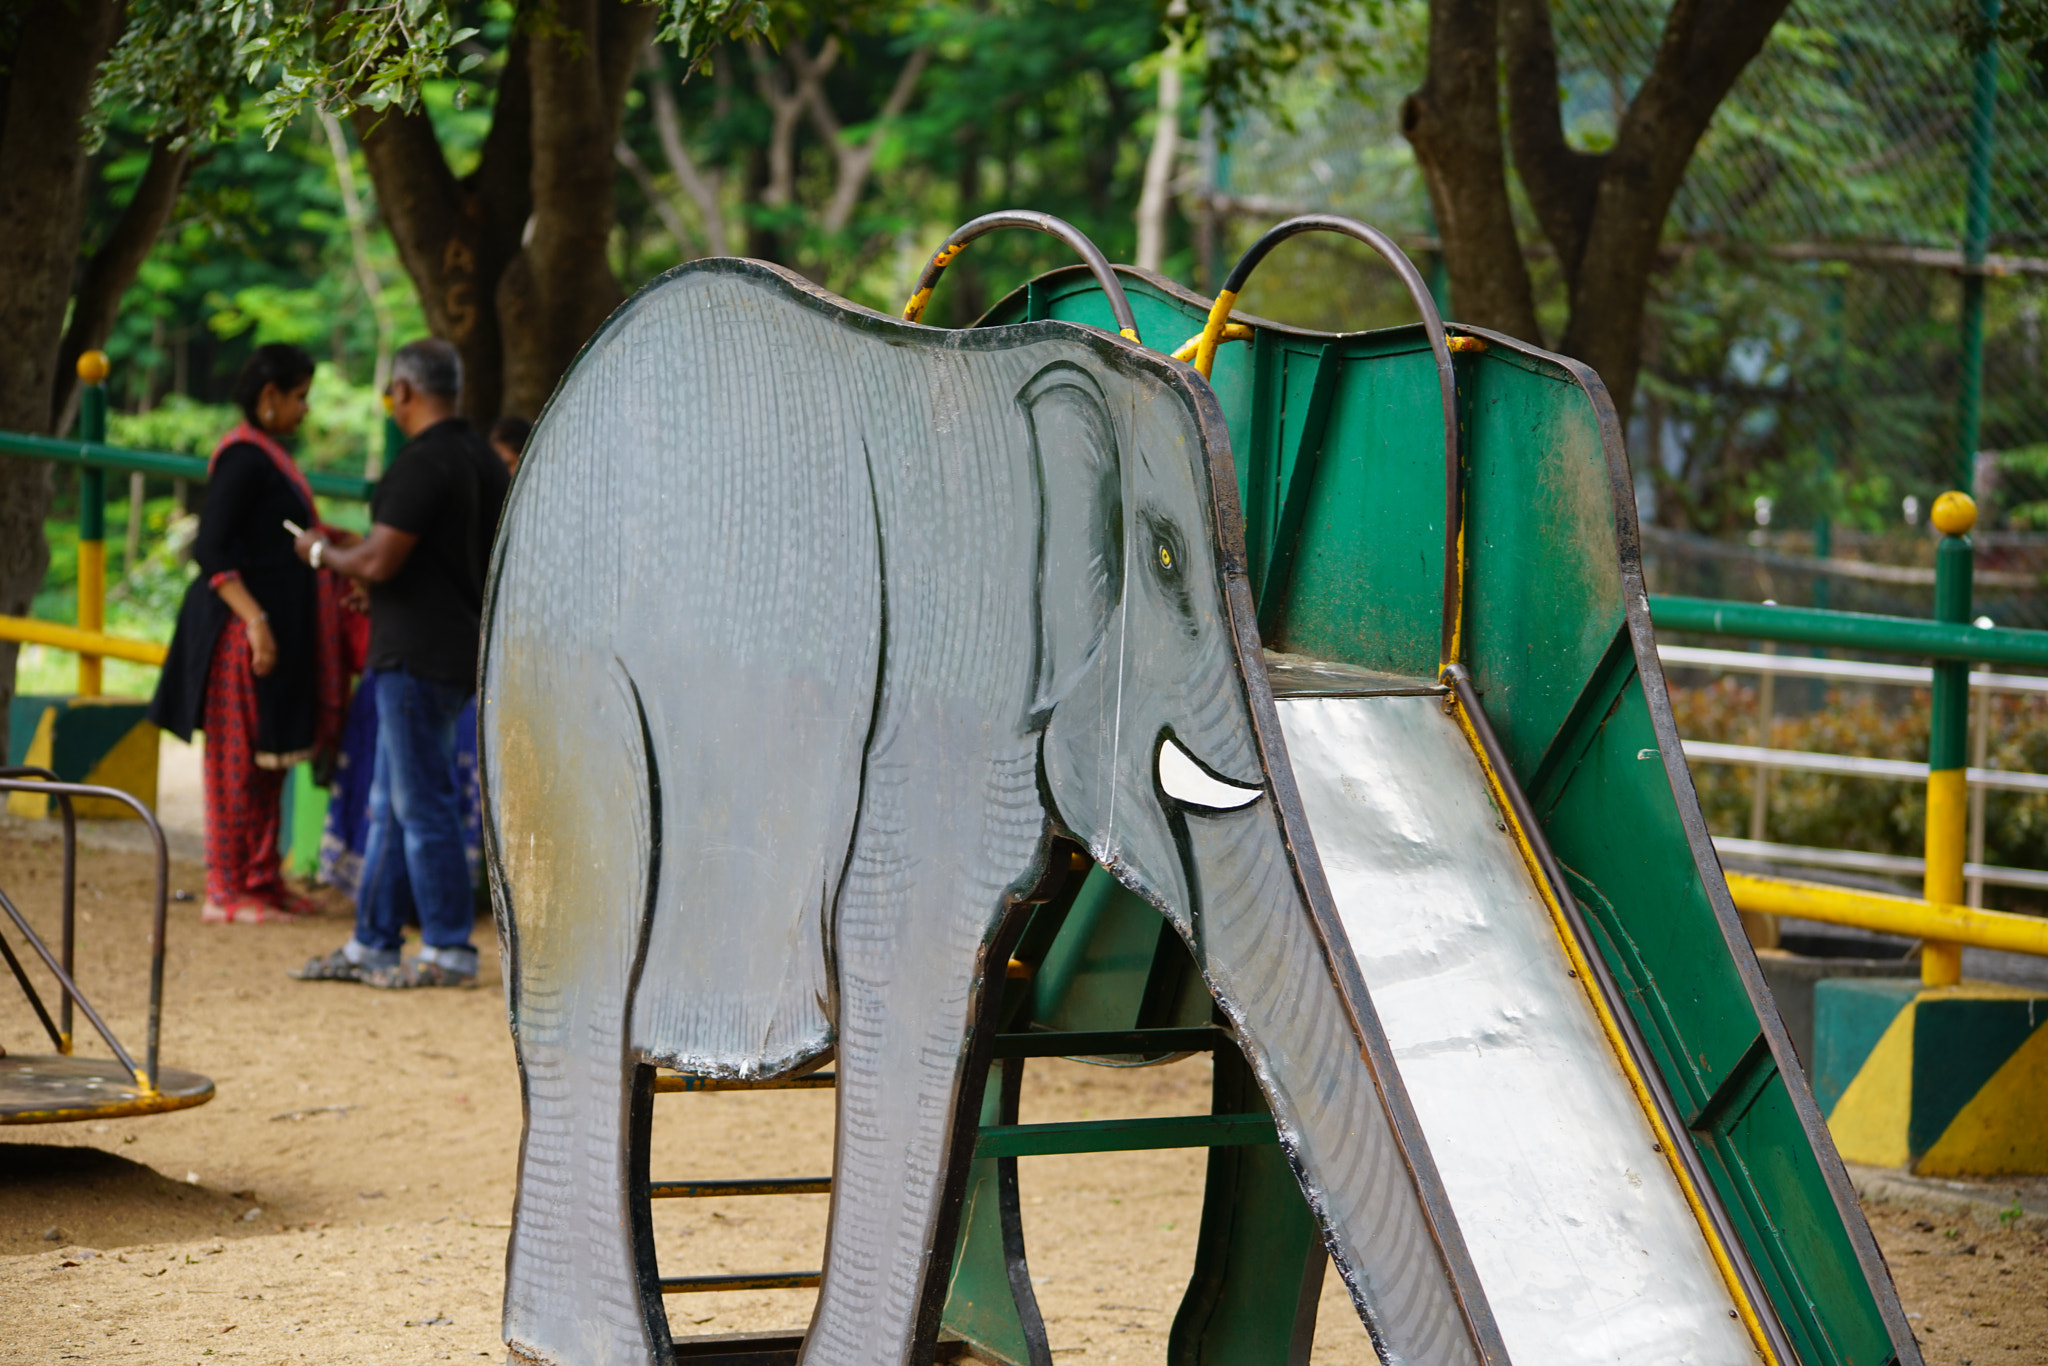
(417, 974)
(333, 967)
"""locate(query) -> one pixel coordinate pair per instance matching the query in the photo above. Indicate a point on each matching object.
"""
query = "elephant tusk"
(1184, 779)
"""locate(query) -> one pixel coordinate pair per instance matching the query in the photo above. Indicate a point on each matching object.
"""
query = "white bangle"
(314, 554)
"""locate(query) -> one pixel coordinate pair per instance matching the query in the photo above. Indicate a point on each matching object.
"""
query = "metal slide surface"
(1582, 1238)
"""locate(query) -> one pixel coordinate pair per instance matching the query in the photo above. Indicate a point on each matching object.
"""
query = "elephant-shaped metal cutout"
(808, 631)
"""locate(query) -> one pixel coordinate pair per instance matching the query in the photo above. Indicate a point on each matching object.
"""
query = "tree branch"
(785, 108)
(1561, 182)
(1705, 47)
(703, 187)
(113, 267)
(623, 152)
(359, 248)
(856, 160)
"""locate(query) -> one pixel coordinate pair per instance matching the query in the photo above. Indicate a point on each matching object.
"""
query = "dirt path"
(345, 1197)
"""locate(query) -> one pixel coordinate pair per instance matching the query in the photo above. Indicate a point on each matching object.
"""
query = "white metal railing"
(1856, 860)
(1980, 779)
(1853, 766)
(1843, 670)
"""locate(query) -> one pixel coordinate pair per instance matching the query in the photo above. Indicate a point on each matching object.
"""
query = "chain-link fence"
(1802, 373)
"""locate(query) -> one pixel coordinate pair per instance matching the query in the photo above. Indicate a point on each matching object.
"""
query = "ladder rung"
(1093, 1043)
(1123, 1135)
(746, 1280)
(679, 1081)
(774, 1185)
(739, 1349)
(1085, 1043)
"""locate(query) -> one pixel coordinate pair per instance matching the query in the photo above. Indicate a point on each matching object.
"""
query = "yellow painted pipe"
(29, 631)
(92, 611)
(1937, 922)
(1948, 816)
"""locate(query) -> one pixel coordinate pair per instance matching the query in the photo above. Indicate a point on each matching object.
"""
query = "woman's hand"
(262, 646)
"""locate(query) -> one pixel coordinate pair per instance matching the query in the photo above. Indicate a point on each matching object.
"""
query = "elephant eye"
(1169, 553)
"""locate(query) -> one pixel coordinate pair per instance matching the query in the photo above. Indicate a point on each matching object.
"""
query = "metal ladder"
(1259, 1258)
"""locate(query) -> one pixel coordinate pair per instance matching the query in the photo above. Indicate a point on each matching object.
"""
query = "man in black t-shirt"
(432, 520)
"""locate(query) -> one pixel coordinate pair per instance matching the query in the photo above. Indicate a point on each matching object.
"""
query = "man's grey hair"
(431, 366)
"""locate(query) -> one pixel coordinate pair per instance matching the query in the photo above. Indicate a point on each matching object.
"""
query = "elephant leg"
(572, 821)
(902, 1067)
(579, 1279)
(921, 949)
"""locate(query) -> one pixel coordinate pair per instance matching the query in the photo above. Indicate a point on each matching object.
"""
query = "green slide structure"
(1461, 652)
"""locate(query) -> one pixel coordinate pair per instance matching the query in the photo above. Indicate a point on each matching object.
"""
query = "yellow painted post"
(1948, 799)
(92, 517)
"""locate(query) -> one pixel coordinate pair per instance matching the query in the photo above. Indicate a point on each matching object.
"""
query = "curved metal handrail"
(1451, 643)
(62, 1036)
(42, 780)
(1098, 264)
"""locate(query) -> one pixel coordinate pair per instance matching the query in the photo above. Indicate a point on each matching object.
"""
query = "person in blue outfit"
(432, 520)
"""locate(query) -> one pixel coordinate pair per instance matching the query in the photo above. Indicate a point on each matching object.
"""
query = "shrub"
(1873, 815)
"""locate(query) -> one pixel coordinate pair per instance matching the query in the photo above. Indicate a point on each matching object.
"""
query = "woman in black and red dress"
(255, 661)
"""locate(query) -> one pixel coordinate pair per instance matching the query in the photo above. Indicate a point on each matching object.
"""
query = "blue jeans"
(413, 862)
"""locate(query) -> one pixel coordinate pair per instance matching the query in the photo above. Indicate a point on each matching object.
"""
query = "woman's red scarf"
(331, 653)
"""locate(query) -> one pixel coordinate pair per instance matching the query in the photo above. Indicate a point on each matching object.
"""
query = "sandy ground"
(345, 1197)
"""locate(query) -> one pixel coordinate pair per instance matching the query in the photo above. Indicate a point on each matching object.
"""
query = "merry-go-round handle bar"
(1098, 264)
(1451, 644)
(42, 780)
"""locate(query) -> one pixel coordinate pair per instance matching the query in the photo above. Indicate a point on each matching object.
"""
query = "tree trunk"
(456, 237)
(1453, 122)
(1603, 214)
(559, 288)
(57, 47)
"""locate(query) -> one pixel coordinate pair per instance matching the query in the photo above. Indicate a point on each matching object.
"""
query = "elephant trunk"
(1343, 1116)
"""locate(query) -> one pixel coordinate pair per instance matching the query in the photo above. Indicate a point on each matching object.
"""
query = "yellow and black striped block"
(1946, 1081)
(104, 740)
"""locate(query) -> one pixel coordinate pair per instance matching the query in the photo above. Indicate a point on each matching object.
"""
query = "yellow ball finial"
(1954, 513)
(93, 367)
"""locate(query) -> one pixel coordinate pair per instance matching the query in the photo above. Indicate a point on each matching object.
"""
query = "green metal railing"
(1952, 643)
(1915, 636)
(98, 455)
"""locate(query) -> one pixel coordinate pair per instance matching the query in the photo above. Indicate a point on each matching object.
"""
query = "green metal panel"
(1116, 964)
(1367, 562)
(1541, 611)
(1258, 1259)
(982, 1299)
(304, 820)
(1557, 636)
(1613, 824)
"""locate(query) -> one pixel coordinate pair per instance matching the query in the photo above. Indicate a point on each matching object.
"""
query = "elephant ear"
(1076, 462)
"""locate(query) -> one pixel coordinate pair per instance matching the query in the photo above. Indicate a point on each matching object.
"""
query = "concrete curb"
(1988, 1204)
